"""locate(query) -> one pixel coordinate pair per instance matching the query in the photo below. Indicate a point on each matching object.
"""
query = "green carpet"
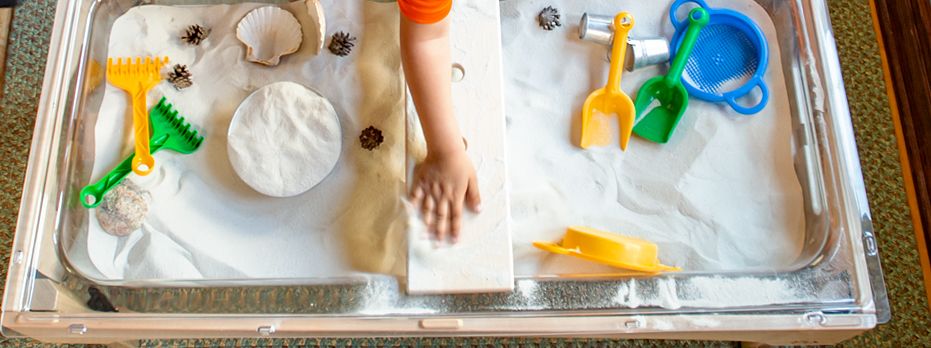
(863, 75)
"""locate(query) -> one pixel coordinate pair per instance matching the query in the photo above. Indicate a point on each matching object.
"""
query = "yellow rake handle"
(143, 162)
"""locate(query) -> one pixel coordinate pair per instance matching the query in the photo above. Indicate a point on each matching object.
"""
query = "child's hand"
(442, 183)
(446, 179)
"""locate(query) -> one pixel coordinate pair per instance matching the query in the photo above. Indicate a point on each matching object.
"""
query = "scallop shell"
(315, 10)
(269, 33)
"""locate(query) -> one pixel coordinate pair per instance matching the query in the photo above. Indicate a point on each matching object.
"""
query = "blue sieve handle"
(731, 98)
(684, 22)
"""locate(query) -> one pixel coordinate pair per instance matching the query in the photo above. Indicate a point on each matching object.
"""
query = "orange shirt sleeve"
(425, 11)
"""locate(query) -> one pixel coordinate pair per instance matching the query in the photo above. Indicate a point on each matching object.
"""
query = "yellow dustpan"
(608, 249)
(611, 99)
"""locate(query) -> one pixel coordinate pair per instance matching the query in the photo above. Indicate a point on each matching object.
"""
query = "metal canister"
(597, 28)
(641, 52)
(644, 52)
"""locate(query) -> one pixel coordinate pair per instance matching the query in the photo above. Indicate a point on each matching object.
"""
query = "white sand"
(284, 139)
(204, 221)
(723, 195)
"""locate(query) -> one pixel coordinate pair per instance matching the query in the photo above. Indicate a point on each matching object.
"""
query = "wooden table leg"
(905, 29)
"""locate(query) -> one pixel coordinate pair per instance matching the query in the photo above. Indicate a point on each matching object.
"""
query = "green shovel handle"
(92, 195)
(698, 19)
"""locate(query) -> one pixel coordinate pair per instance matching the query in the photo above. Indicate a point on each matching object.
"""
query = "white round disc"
(284, 139)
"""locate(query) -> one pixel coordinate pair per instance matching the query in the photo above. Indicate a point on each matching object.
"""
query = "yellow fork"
(137, 78)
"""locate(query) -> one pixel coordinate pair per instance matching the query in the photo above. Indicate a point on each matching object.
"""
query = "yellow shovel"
(611, 99)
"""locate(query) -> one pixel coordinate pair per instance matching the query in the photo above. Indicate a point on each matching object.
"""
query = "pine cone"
(180, 76)
(371, 138)
(195, 34)
(342, 44)
(549, 18)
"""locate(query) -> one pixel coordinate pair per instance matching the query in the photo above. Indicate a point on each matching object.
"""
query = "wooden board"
(6, 16)
(482, 261)
(904, 32)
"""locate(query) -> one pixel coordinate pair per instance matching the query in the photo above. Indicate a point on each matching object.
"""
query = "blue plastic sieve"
(729, 59)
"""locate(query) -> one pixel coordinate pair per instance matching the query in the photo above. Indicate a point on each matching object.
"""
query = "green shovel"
(169, 132)
(658, 124)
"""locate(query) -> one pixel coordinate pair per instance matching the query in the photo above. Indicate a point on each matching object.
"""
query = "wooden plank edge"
(908, 179)
(6, 21)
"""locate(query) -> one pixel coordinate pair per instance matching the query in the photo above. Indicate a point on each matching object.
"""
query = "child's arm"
(446, 179)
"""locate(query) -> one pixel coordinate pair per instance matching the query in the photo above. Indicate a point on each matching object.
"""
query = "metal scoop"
(611, 99)
(660, 121)
(641, 52)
